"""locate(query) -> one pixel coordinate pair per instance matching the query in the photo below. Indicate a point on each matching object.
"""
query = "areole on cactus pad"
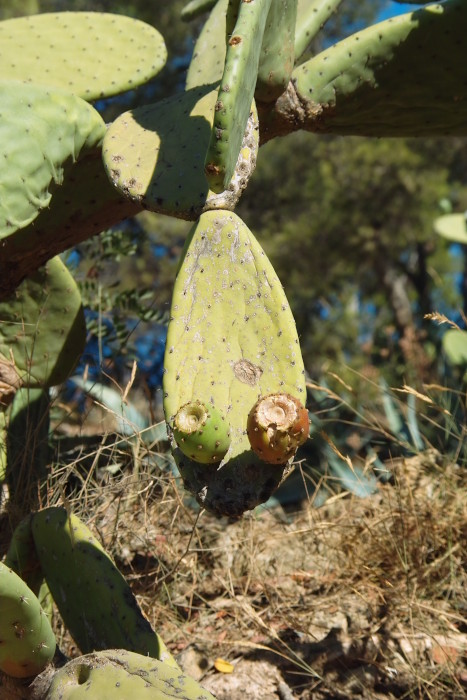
(231, 340)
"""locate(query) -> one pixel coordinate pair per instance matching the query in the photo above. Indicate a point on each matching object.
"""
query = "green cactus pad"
(195, 8)
(43, 327)
(201, 432)
(455, 346)
(85, 204)
(236, 92)
(27, 642)
(22, 556)
(277, 51)
(155, 155)
(40, 130)
(231, 339)
(93, 598)
(406, 76)
(207, 63)
(90, 54)
(116, 674)
(311, 17)
(452, 227)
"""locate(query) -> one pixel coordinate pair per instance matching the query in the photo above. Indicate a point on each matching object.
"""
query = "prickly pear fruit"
(201, 432)
(27, 642)
(116, 674)
(93, 598)
(277, 425)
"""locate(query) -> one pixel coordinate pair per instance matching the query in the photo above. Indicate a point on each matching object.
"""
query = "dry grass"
(359, 598)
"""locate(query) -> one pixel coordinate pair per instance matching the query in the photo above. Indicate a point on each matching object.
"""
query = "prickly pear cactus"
(117, 674)
(43, 329)
(22, 556)
(201, 432)
(397, 78)
(93, 598)
(91, 54)
(155, 155)
(41, 129)
(231, 340)
(27, 642)
(277, 55)
(235, 94)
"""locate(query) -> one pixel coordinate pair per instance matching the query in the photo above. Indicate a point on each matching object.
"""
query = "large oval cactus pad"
(155, 155)
(94, 600)
(41, 129)
(91, 54)
(231, 339)
(43, 327)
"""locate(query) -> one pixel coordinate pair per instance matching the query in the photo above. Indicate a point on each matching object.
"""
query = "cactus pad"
(311, 16)
(277, 51)
(27, 642)
(207, 63)
(231, 339)
(22, 556)
(93, 598)
(201, 432)
(402, 77)
(236, 92)
(43, 326)
(452, 227)
(40, 130)
(91, 54)
(155, 155)
(116, 674)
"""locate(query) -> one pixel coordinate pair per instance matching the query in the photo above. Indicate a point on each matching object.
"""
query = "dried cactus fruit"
(154, 155)
(201, 432)
(277, 425)
(27, 642)
(91, 54)
(117, 674)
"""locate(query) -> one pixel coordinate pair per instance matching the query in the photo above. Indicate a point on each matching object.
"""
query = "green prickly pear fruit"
(201, 432)
(117, 674)
(27, 642)
(277, 425)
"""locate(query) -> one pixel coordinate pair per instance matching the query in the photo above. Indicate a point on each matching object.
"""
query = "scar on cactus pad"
(277, 425)
(201, 432)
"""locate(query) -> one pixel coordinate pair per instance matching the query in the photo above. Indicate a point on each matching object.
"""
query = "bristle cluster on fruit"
(277, 425)
(201, 432)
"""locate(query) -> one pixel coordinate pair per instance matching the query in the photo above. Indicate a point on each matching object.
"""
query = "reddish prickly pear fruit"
(201, 432)
(277, 425)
